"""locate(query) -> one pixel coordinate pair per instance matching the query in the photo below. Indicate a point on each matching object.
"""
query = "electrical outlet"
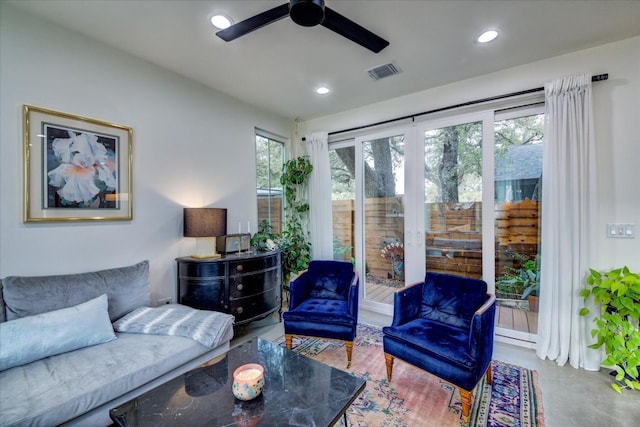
(164, 301)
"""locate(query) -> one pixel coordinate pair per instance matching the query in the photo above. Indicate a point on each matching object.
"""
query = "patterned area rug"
(415, 398)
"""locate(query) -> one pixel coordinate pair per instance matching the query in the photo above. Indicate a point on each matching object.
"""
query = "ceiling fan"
(308, 13)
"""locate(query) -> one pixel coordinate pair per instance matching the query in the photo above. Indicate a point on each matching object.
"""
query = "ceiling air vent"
(382, 71)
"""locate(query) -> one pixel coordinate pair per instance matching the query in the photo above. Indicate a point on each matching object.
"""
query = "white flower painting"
(81, 169)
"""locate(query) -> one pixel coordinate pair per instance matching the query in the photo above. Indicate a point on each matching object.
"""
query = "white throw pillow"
(32, 338)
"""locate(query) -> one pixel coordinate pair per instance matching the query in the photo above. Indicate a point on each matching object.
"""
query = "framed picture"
(232, 243)
(75, 168)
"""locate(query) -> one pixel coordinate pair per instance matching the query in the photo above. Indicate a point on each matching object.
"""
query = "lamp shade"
(205, 222)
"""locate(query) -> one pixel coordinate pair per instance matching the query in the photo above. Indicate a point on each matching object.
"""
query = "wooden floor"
(506, 317)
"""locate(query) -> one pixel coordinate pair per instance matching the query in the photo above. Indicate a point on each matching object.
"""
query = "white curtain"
(568, 222)
(320, 221)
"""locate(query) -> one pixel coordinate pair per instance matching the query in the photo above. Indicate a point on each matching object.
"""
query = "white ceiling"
(279, 66)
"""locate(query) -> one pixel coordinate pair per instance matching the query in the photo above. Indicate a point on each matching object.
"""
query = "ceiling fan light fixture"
(221, 21)
(323, 90)
(307, 13)
(487, 36)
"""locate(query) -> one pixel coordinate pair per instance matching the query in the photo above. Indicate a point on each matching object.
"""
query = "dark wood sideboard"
(246, 285)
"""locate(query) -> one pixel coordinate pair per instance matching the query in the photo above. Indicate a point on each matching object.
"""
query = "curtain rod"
(596, 78)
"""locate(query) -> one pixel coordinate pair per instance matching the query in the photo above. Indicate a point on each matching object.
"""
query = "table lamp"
(205, 224)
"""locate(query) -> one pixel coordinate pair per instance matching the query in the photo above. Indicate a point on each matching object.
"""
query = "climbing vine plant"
(294, 241)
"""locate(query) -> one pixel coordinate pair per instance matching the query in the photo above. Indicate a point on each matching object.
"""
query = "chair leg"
(489, 375)
(466, 398)
(388, 361)
(349, 347)
(288, 339)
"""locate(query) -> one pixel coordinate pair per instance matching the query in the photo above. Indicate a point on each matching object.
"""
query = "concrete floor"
(570, 397)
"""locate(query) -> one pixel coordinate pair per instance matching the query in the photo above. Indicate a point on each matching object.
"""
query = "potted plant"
(531, 283)
(523, 281)
(264, 239)
(394, 252)
(294, 240)
(618, 322)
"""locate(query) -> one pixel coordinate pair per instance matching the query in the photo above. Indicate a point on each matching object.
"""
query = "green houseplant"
(264, 239)
(523, 281)
(617, 323)
(294, 240)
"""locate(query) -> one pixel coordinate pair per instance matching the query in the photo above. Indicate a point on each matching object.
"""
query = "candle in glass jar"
(248, 374)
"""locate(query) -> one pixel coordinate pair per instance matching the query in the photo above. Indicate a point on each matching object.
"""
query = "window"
(269, 163)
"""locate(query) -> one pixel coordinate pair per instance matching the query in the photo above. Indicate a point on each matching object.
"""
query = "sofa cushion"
(127, 288)
(442, 341)
(325, 311)
(36, 337)
(51, 391)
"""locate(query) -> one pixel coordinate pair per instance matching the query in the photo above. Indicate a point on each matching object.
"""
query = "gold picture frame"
(75, 168)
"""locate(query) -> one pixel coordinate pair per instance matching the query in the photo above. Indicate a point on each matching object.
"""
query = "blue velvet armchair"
(444, 326)
(323, 302)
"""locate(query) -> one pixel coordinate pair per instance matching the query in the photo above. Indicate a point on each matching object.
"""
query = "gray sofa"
(78, 387)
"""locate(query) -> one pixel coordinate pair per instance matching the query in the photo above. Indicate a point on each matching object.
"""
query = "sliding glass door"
(382, 197)
(457, 195)
(453, 195)
(518, 179)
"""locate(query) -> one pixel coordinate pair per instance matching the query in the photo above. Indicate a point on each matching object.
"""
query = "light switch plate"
(621, 231)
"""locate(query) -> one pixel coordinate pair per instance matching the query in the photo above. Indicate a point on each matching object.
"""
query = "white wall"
(617, 114)
(192, 146)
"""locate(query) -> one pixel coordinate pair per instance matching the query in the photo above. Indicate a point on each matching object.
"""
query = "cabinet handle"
(239, 309)
(240, 287)
(239, 267)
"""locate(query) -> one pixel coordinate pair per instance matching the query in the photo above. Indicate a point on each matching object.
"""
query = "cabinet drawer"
(256, 264)
(202, 294)
(245, 309)
(201, 269)
(249, 284)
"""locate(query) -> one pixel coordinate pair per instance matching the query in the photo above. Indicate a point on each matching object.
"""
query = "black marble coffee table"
(298, 391)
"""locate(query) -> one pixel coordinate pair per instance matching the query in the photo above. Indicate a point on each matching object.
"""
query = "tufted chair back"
(329, 279)
(451, 299)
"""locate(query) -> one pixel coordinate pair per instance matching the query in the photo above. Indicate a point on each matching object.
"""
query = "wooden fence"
(453, 241)
(273, 215)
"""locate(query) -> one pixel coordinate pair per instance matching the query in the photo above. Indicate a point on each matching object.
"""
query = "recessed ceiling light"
(487, 36)
(322, 90)
(220, 21)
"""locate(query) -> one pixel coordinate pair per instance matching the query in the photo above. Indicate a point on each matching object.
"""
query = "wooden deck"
(517, 319)
(380, 293)
(506, 317)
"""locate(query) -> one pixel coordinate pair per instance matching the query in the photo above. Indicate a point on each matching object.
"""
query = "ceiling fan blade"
(354, 32)
(253, 23)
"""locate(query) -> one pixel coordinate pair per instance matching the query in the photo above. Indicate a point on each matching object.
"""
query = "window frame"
(277, 139)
